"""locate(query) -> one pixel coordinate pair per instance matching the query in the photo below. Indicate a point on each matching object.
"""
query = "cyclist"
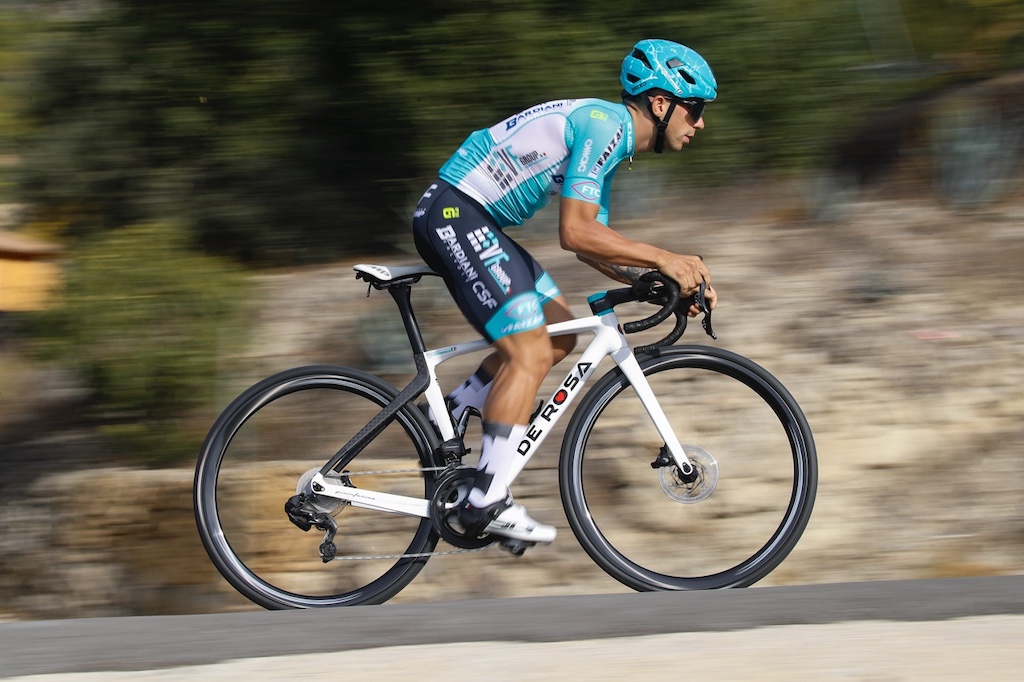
(499, 178)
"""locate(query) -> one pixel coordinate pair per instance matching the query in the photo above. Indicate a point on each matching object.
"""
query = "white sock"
(500, 463)
(472, 393)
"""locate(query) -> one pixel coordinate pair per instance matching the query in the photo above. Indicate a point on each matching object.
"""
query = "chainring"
(453, 488)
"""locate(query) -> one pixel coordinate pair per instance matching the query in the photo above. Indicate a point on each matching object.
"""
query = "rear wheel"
(730, 522)
(265, 447)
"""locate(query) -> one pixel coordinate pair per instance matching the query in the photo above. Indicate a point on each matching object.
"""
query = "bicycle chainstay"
(411, 555)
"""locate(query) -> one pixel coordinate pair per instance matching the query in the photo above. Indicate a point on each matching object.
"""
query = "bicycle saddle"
(389, 274)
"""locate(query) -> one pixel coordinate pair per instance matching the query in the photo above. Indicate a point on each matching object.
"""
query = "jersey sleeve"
(596, 137)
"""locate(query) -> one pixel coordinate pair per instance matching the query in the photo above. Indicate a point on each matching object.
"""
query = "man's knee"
(538, 353)
(530, 351)
(563, 345)
(557, 310)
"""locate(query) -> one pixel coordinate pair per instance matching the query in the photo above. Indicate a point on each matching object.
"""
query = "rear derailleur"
(305, 516)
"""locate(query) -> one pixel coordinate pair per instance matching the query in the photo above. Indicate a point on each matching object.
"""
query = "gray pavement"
(935, 629)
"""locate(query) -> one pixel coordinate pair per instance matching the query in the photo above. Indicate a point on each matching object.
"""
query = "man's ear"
(660, 105)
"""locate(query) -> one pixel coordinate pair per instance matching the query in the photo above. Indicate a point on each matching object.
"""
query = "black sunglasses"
(695, 107)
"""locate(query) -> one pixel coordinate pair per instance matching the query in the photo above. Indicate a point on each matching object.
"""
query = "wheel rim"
(741, 531)
(263, 446)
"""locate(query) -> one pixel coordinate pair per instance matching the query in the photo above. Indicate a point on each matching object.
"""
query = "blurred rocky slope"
(896, 324)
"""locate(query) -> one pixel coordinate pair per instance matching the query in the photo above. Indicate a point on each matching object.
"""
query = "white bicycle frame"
(609, 340)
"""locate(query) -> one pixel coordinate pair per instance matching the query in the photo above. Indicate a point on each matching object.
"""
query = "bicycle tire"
(249, 466)
(718, 401)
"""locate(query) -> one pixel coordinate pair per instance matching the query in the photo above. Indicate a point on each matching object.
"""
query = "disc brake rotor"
(324, 503)
(693, 488)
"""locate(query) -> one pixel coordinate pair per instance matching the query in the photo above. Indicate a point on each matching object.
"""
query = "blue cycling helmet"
(661, 66)
(671, 67)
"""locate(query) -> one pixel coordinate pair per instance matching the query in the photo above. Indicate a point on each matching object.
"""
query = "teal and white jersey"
(567, 148)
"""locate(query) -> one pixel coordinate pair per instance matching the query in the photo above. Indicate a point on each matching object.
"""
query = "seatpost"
(402, 294)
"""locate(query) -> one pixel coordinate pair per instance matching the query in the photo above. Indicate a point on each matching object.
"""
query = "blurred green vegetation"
(145, 320)
(274, 133)
(290, 132)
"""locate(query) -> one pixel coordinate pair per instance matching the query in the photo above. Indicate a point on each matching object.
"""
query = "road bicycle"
(683, 467)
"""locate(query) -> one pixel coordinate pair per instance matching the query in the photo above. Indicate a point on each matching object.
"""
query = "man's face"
(681, 128)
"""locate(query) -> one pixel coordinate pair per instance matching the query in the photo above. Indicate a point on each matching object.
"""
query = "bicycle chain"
(415, 555)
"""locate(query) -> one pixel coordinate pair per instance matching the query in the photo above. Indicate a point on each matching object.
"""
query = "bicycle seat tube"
(402, 293)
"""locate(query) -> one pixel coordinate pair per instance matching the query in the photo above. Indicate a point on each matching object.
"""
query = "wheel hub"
(323, 503)
(692, 486)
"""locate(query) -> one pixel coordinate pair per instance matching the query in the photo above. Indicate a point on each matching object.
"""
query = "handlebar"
(654, 287)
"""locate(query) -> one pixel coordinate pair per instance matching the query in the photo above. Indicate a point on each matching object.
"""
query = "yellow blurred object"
(28, 273)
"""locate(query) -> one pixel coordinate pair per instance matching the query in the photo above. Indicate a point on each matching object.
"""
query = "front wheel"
(263, 450)
(727, 524)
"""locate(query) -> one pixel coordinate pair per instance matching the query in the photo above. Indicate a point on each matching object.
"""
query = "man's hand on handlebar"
(687, 271)
(657, 288)
(690, 272)
(712, 300)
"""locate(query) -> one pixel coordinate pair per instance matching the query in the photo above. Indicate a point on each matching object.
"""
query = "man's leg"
(557, 310)
(524, 360)
(476, 389)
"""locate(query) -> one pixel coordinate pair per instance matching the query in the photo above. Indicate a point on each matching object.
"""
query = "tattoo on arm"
(628, 273)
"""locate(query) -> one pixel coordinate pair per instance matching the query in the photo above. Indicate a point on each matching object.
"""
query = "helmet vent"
(676, 63)
(639, 54)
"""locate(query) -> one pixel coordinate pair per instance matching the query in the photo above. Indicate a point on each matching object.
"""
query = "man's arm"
(591, 241)
(627, 274)
(624, 259)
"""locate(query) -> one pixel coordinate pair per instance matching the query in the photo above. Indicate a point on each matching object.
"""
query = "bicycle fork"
(609, 341)
(631, 368)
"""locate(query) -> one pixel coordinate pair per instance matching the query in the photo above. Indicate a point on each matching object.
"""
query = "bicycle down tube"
(608, 341)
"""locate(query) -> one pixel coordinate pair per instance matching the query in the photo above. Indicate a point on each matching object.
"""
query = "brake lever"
(702, 303)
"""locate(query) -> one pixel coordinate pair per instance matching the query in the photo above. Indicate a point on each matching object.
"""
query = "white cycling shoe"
(514, 523)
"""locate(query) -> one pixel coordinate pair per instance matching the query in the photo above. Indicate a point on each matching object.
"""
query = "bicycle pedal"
(516, 547)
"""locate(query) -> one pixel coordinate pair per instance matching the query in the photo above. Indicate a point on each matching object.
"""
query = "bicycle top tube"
(652, 287)
(609, 341)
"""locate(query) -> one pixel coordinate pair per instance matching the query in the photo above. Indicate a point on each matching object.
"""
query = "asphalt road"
(935, 629)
